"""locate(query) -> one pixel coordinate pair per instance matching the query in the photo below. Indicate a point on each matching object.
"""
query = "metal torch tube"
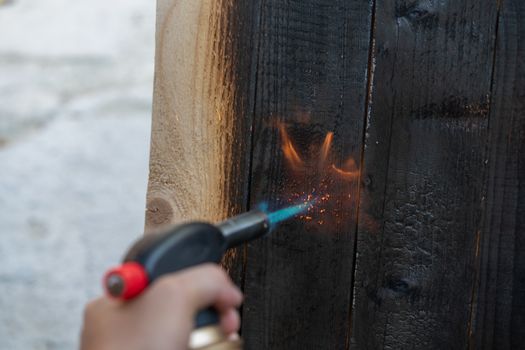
(244, 227)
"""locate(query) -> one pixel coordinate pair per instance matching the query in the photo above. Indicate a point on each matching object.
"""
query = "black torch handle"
(181, 247)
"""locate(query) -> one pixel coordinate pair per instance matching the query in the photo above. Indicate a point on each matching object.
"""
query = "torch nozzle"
(256, 223)
(244, 227)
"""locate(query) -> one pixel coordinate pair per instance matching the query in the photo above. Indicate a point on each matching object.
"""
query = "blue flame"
(284, 213)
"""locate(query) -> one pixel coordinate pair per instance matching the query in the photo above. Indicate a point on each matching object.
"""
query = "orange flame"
(289, 150)
(318, 167)
(349, 170)
(325, 148)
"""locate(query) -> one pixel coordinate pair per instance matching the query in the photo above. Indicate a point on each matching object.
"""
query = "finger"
(232, 299)
(230, 321)
(210, 285)
(234, 336)
(203, 286)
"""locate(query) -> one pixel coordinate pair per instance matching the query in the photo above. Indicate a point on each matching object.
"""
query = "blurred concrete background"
(76, 83)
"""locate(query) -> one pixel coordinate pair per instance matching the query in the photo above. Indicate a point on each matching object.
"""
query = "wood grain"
(408, 113)
(202, 111)
(500, 317)
(311, 80)
(423, 173)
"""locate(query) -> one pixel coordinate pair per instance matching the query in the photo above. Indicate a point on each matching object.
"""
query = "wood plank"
(203, 102)
(311, 81)
(423, 174)
(500, 316)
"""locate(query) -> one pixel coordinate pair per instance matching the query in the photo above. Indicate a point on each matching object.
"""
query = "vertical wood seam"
(387, 165)
(368, 102)
(494, 58)
(475, 287)
(254, 78)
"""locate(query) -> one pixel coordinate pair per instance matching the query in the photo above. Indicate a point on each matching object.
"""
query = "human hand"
(163, 316)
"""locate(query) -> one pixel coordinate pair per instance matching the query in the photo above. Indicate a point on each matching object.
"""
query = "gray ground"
(75, 99)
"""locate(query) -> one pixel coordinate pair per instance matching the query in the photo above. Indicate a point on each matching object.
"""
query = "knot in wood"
(158, 212)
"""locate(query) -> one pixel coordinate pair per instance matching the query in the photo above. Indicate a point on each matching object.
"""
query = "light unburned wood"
(201, 121)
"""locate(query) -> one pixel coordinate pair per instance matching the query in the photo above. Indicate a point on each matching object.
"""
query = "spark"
(288, 212)
(325, 169)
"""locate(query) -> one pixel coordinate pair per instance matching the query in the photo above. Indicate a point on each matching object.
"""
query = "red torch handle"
(126, 281)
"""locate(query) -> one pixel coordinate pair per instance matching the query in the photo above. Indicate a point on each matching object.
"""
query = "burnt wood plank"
(311, 81)
(500, 317)
(424, 165)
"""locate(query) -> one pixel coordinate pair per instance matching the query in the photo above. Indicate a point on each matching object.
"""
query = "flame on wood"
(289, 150)
(348, 170)
(316, 167)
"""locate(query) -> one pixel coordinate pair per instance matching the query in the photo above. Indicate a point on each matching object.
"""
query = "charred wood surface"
(423, 172)
(404, 119)
(500, 296)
